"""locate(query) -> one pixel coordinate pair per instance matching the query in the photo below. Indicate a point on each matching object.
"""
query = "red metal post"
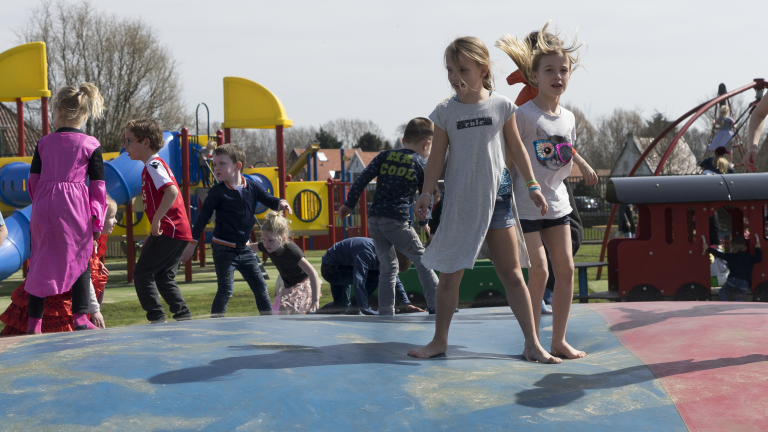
(201, 241)
(331, 213)
(227, 138)
(44, 110)
(129, 250)
(220, 137)
(185, 191)
(20, 126)
(25, 268)
(280, 159)
(363, 214)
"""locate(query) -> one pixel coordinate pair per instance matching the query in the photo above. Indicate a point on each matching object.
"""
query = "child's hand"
(103, 269)
(539, 200)
(344, 211)
(188, 252)
(284, 206)
(704, 245)
(156, 231)
(590, 177)
(421, 207)
(98, 320)
(426, 228)
(757, 240)
(96, 235)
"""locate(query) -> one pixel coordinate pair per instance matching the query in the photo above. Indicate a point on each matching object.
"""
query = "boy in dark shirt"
(234, 199)
(740, 264)
(400, 174)
(354, 261)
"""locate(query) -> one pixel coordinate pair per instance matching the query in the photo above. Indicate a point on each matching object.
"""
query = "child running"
(67, 214)
(400, 174)
(155, 272)
(234, 199)
(478, 126)
(57, 315)
(301, 291)
(548, 131)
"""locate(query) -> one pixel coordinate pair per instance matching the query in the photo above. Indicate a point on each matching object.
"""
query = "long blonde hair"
(527, 53)
(76, 105)
(474, 49)
(277, 224)
(720, 161)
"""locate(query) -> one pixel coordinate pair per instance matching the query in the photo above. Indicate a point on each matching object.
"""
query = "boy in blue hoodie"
(234, 199)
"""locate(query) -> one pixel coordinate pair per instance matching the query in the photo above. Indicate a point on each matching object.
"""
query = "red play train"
(665, 258)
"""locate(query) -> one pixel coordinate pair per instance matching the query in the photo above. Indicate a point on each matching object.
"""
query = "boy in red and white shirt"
(155, 272)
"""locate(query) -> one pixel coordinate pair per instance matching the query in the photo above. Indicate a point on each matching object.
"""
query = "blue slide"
(122, 178)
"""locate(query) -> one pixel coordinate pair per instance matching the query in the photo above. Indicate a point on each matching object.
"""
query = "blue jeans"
(736, 287)
(340, 279)
(226, 260)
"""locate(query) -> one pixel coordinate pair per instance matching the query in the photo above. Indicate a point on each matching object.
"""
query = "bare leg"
(446, 300)
(558, 242)
(537, 274)
(502, 244)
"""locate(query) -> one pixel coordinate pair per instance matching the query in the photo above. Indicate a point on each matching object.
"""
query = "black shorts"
(534, 225)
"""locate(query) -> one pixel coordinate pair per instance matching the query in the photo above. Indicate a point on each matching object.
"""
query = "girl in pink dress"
(67, 210)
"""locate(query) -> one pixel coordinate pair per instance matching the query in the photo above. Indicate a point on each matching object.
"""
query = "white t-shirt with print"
(543, 135)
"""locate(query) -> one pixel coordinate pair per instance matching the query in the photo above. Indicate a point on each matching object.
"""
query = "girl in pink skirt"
(67, 209)
(301, 291)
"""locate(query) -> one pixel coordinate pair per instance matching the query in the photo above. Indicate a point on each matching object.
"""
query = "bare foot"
(538, 355)
(564, 350)
(430, 350)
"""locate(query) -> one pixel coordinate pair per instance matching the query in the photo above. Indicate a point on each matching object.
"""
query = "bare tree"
(122, 56)
(601, 145)
(349, 131)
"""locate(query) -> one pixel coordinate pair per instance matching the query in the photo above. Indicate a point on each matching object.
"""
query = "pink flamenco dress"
(66, 183)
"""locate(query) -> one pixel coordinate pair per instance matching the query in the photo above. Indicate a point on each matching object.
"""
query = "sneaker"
(331, 309)
(368, 311)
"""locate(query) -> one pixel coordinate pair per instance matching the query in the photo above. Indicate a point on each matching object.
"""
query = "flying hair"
(78, 104)
(277, 225)
(528, 52)
(474, 49)
(720, 161)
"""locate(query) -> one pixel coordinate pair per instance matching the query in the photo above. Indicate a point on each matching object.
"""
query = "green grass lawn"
(121, 306)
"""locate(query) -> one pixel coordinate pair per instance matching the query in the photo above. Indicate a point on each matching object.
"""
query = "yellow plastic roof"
(24, 73)
(249, 105)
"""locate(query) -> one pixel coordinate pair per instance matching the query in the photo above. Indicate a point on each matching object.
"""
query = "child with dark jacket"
(740, 264)
(234, 199)
(354, 261)
(400, 174)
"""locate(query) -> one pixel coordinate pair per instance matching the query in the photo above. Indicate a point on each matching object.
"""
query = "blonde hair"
(111, 206)
(474, 49)
(527, 53)
(76, 105)
(720, 161)
(276, 224)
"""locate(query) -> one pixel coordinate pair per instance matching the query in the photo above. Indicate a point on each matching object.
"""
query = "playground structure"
(23, 77)
(759, 85)
(674, 219)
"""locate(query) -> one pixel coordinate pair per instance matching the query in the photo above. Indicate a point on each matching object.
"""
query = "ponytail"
(277, 225)
(76, 105)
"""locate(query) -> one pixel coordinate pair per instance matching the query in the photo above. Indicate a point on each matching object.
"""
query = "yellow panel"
(24, 73)
(141, 229)
(292, 189)
(249, 105)
(109, 156)
(271, 174)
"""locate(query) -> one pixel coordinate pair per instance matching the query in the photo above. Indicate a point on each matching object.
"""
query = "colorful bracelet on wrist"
(534, 188)
(531, 182)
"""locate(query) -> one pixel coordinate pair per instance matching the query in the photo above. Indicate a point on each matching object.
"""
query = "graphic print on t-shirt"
(552, 152)
(481, 121)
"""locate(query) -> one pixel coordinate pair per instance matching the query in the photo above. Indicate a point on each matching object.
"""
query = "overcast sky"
(382, 61)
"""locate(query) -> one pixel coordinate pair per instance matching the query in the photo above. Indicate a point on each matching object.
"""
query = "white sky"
(382, 60)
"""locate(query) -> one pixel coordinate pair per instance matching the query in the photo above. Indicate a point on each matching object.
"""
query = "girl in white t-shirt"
(478, 126)
(548, 131)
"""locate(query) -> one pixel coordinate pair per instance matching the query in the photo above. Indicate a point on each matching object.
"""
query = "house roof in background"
(10, 134)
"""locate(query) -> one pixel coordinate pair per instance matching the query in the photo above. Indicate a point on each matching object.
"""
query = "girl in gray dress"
(478, 126)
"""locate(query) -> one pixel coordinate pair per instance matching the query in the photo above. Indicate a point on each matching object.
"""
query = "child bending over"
(740, 263)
